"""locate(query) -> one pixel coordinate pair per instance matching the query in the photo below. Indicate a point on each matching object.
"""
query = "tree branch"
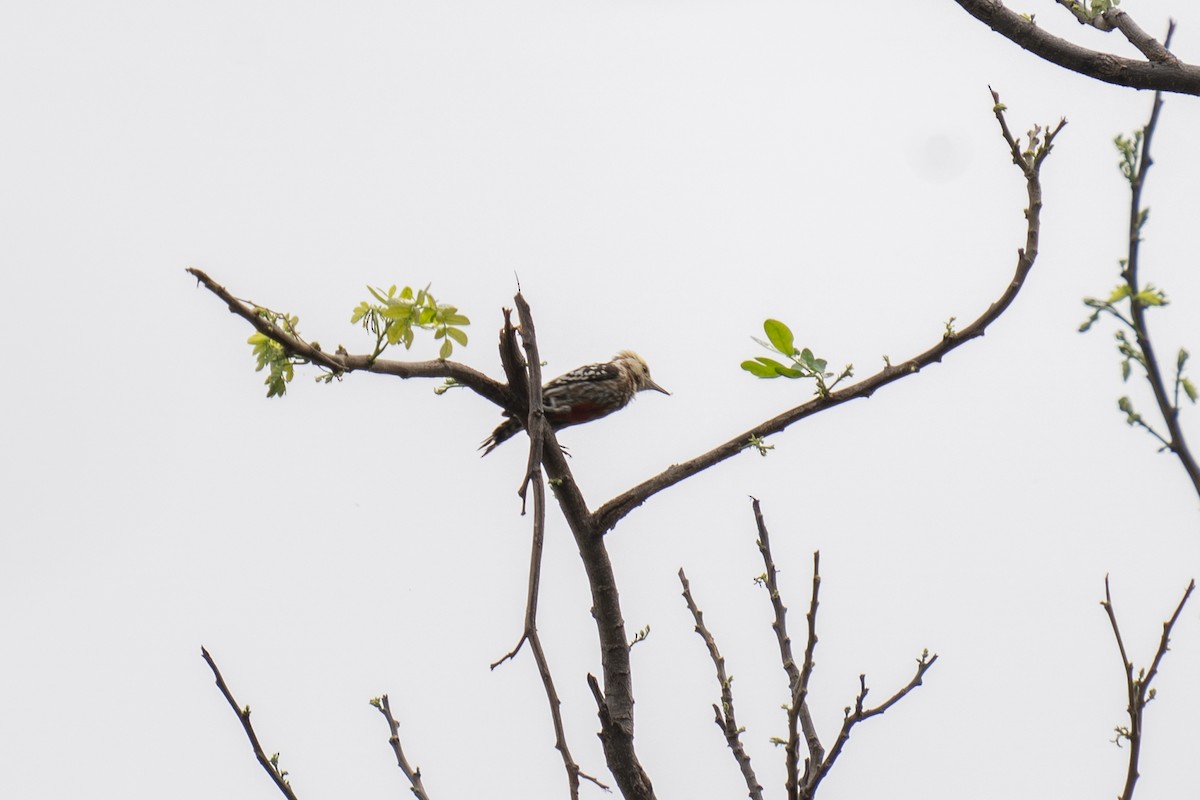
(412, 773)
(723, 714)
(1167, 407)
(1029, 161)
(537, 427)
(1162, 72)
(615, 702)
(798, 716)
(859, 714)
(1137, 689)
(271, 765)
(342, 362)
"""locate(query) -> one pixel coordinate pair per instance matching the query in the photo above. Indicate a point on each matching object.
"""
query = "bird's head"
(637, 367)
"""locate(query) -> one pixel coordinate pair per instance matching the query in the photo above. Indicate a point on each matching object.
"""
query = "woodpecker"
(584, 394)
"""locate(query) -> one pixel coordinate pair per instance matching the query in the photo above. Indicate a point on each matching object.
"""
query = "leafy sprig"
(398, 313)
(803, 363)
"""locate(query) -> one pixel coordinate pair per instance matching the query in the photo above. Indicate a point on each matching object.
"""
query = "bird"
(584, 394)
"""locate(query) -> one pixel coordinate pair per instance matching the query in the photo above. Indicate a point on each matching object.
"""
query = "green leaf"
(759, 370)
(770, 362)
(1151, 297)
(457, 335)
(780, 336)
(447, 349)
(1188, 388)
(400, 313)
(456, 319)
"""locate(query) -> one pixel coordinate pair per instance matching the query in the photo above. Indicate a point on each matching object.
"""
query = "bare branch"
(1137, 688)
(798, 716)
(271, 765)
(1162, 72)
(615, 702)
(537, 427)
(1029, 162)
(1116, 19)
(723, 714)
(412, 773)
(859, 713)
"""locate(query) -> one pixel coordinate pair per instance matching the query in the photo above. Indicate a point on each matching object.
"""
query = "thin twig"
(817, 765)
(856, 715)
(412, 773)
(724, 714)
(1167, 407)
(1137, 688)
(798, 716)
(271, 765)
(1029, 161)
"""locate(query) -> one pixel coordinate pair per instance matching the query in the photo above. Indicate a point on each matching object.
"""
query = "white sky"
(662, 176)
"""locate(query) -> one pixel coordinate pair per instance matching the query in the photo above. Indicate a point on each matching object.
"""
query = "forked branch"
(800, 784)
(1160, 71)
(1137, 687)
(529, 375)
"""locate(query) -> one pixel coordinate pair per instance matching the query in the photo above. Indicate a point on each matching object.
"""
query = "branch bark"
(1029, 161)
(1167, 407)
(270, 765)
(1161, 72)
(412, 773)
(723, 714)
(1137, 688)
(341, 362)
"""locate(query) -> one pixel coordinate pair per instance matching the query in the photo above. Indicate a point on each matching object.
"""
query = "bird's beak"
(656, 387)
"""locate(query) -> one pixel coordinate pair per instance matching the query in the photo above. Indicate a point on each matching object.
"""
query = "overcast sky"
(661, 176)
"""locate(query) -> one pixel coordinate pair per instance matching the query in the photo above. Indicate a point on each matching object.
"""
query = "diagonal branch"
(723, 714)
(1114, 19)
(342, 362)
(1137, 688)
(859, 713)
(271, 765)
(412, 773)
(1029, 161)
(1162, 71)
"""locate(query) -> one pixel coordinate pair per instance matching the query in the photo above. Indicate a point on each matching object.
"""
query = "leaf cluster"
(397, 314)
(272, 356)
(804, 364)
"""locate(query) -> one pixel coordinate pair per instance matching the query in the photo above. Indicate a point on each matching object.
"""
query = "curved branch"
(1162, 71)
(342, 362)
(1029, 161)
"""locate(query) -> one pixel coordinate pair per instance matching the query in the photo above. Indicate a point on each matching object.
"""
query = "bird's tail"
(506, 430)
